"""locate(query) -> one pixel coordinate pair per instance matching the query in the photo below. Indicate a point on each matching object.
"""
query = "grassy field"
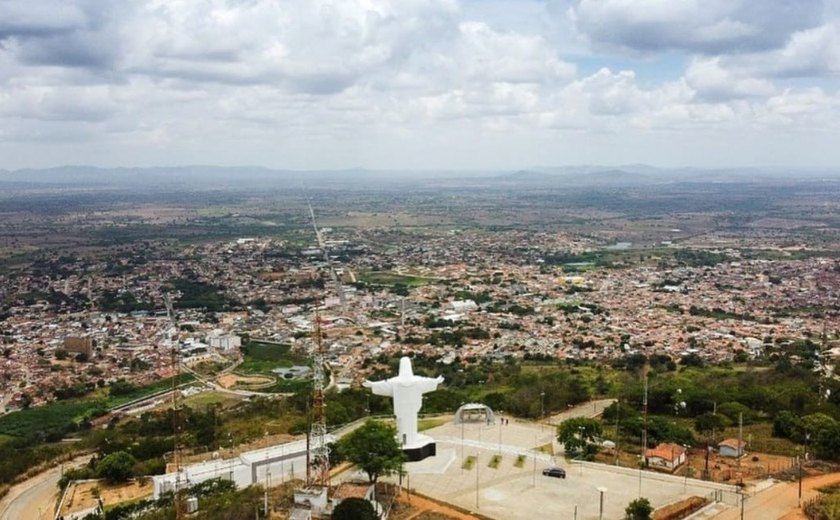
(262, 358)
(428, 424)
(144, 391)
(209, 399)
(760, 438)
(389, 278)
(62, 415)
(50, 417)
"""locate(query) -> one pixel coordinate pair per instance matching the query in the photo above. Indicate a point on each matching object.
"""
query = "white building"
(666, 456)
(273, 464)
(225, 343)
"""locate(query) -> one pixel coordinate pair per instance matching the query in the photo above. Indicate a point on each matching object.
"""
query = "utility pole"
(805, 455)
(500, 435)
(740, 447)
(617, 413)
(542, 408)
(463, 460)
(535, 460)
(477, 470)
(644, 430)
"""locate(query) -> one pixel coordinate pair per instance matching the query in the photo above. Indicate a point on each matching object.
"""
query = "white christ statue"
(407, 392)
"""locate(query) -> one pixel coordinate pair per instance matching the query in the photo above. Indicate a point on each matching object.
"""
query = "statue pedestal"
(423, 447)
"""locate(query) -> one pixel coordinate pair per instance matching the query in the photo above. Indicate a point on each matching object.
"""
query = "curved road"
(35, 498)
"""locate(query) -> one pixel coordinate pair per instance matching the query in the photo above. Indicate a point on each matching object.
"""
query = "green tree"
(733, 409)
(814, 424)
(373, 447)
(578, 435)
(639, 509)
(828, 443)
(707, 422)
(620, 410)
(785, 424)
(354, 509)
(116, 467)
(121, 387)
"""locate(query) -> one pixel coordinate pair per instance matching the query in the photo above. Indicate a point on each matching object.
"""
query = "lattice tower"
(319, 450)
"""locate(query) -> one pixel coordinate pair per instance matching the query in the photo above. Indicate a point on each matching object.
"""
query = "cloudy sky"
(419, 84)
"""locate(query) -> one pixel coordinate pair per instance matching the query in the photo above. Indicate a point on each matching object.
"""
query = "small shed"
(732, 448)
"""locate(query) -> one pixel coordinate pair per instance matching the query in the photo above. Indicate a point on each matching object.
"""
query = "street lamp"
(462, 438)
(601, 490)
(807, 437)
(501, 421)
(542, 405)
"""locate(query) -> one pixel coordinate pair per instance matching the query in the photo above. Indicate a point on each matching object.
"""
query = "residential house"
(666, 456)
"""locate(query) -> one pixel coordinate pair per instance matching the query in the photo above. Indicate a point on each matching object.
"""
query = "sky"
(419, 84)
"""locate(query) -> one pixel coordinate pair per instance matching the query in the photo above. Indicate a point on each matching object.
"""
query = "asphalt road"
(780, 501)
(587, 409)
(35, 499)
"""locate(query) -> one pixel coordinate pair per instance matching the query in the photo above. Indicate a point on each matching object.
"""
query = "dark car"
(555, 472)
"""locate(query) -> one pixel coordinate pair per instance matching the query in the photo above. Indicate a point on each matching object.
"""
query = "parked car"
(555, 472)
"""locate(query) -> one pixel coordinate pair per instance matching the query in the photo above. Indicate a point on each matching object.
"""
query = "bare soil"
(83, 495)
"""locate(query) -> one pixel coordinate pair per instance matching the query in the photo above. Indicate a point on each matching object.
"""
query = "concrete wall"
(651, 475)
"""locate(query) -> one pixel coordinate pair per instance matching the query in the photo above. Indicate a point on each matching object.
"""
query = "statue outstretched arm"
(380, 387)
(428, 384)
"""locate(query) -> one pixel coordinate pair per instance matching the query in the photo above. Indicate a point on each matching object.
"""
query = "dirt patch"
(679, 509)
(417, 507)
(231, 380)
(83, 495)
(754, 466)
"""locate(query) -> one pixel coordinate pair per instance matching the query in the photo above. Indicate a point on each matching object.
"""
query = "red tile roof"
(666, 451)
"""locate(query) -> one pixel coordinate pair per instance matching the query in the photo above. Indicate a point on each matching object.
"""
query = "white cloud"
(301, 82)
(814, 52)
(713, 82)
(706, 26)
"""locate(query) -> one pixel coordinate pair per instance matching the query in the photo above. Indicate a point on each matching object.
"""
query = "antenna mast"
(176, 426)
(320, 459)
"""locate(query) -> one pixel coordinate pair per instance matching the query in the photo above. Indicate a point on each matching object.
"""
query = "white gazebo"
(475, 412)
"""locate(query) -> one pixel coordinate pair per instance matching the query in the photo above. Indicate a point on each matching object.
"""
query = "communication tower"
(319, 450)
(176, 410)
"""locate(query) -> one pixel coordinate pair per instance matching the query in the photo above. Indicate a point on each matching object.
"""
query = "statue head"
(405, 367)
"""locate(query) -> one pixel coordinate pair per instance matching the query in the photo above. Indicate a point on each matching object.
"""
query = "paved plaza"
(511, 492)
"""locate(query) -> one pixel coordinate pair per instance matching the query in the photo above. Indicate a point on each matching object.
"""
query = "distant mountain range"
(216, 177)
(633, 175)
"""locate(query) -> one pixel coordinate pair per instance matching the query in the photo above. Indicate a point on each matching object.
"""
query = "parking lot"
(511, 492)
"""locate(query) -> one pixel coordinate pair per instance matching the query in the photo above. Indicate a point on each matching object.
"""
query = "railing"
(651, 475)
